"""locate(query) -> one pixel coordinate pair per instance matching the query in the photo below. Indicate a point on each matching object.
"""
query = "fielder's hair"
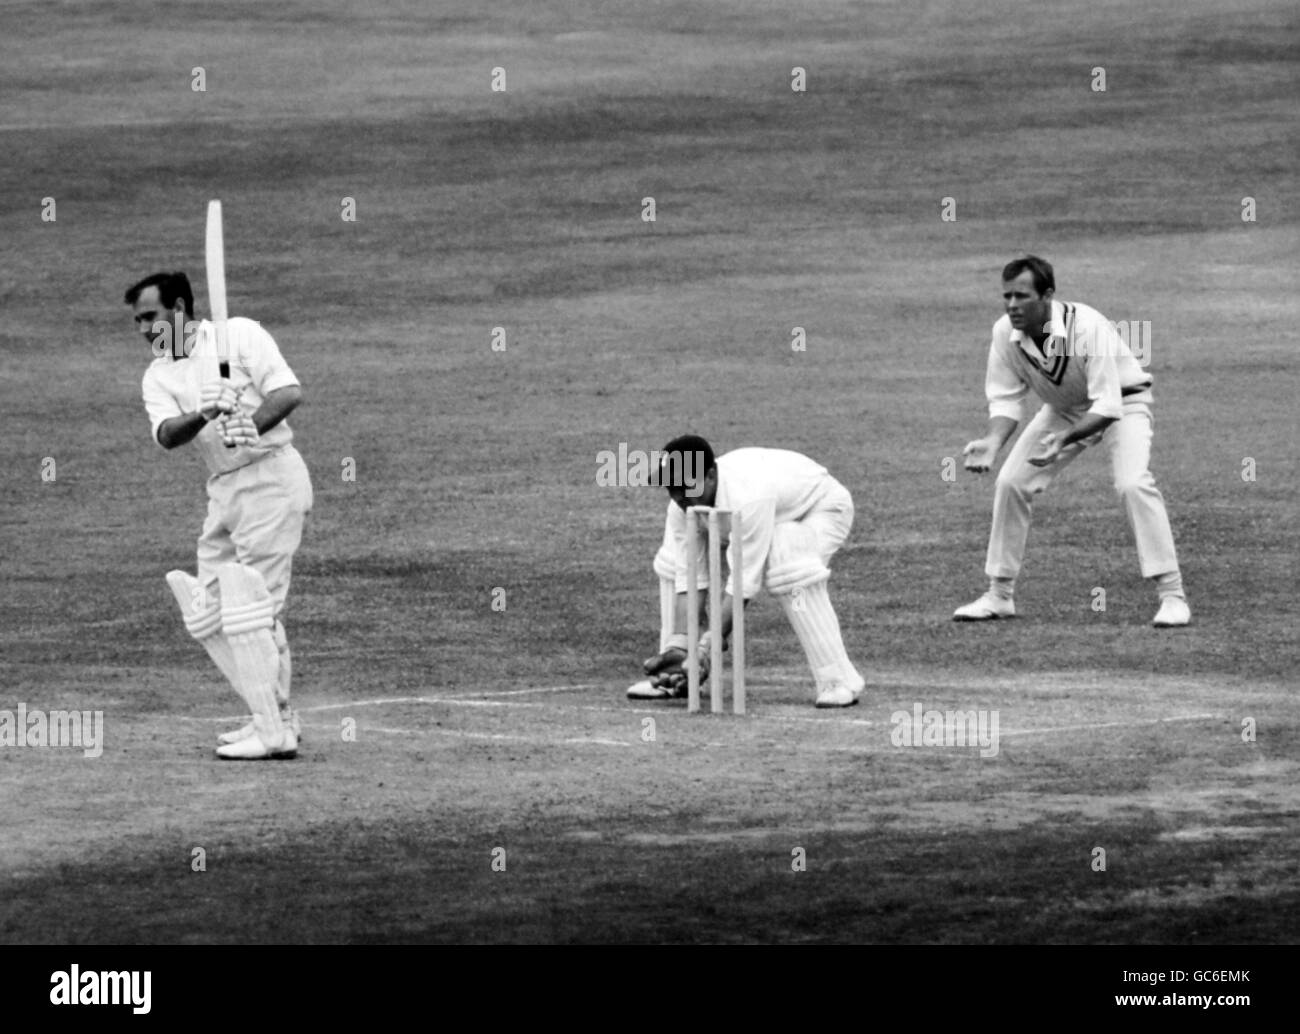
(1044, 278)
(673, 468)
(170, 287)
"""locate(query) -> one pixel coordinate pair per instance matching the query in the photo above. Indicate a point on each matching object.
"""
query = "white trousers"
(1128, 441)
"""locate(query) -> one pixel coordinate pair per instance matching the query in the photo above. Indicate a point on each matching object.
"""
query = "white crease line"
(471, 702)
(613, 708)
(363, 703)
(1108, 725)
(449, 732)
(304, 710)
(597, 739)
(829, 719)
(495, 736)
(467, 701)
(541, 689)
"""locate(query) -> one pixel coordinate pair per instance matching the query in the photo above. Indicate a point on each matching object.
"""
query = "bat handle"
(224, 369)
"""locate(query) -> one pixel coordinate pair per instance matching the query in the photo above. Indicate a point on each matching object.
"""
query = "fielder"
(231, 400)
(795, 516)
(1094, 391)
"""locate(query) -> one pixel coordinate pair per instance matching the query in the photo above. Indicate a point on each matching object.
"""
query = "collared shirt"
(1083, 367)
(766, 486)
(171, 388)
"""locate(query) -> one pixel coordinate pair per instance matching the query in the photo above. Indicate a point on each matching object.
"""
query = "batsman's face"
(1029, 310)
(147, 311)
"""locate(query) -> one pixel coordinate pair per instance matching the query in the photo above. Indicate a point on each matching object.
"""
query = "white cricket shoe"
(838, 693)
(647, 690)
(1173, 613)
(987, 608)
(255, 748)
(290, 719)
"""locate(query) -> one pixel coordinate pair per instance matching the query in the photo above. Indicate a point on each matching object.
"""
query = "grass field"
(480, 729)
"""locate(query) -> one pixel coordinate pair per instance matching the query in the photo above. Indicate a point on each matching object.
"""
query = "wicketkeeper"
(794, 518)
(231, 399)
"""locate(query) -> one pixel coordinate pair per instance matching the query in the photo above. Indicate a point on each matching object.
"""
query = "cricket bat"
(215, 255)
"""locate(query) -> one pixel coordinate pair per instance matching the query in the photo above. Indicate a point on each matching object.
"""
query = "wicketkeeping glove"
(668, 669)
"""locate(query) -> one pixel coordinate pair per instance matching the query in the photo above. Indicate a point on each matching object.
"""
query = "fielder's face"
(147, 311)
(1029, 311)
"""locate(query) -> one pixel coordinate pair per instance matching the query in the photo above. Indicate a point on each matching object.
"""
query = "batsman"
(223, 385)
(794, 517)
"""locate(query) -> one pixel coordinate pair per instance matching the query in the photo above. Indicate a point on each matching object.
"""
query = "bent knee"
(1025, 482)
(1126, 488)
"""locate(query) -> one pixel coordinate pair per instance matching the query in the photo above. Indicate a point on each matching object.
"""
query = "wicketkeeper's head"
(688, 469)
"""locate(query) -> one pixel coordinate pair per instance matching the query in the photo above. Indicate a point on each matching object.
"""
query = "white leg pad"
(667, 612)
(666, 568)
(201, 609)
(248, 621)
(813, 619)
(286, 670)
(794, 561)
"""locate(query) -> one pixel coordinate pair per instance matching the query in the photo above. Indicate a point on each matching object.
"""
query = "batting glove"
(239, 429)
(216, 398)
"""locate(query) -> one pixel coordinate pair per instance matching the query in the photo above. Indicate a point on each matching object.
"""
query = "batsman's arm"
(179, 430)
(216, 398)
(276, 406)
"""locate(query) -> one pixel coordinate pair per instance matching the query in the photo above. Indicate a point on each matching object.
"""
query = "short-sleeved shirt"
(172, 387)
(767, 487)
(1083, 367)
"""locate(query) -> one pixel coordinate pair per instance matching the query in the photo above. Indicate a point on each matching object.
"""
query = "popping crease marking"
(1129, 723)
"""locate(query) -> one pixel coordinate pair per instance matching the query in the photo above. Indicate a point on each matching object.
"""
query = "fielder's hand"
(979, 455)
(239, 429)
(218, 398)
(1049, 449)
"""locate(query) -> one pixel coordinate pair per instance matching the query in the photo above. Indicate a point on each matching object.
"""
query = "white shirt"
(1084, 366)
(766, 486)
(171, 388)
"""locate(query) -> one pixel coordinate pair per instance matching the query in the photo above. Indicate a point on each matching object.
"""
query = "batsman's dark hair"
(1044, 277)
(170, 287)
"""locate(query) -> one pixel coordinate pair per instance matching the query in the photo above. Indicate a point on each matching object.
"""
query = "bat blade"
(214, 253)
